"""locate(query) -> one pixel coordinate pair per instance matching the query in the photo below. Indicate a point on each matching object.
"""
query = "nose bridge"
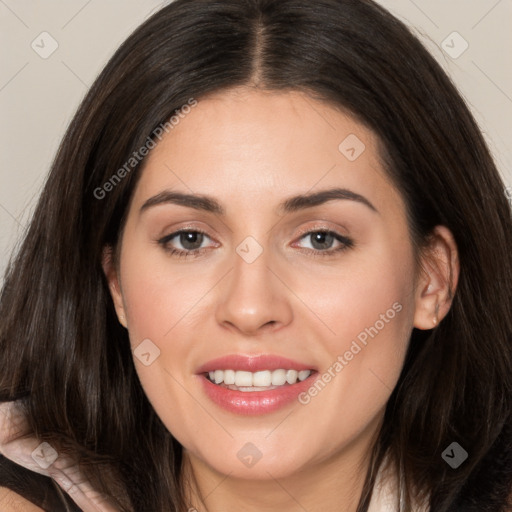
(251, 273)
(253, 297)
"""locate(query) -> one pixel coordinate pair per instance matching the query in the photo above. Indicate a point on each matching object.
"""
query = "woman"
(270, 270)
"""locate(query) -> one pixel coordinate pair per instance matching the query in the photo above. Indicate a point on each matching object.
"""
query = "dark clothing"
(38, 489)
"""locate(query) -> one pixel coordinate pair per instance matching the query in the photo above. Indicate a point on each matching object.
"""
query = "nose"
(253, 299)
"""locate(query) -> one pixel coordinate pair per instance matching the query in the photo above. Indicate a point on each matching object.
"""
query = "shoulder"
(12, 502)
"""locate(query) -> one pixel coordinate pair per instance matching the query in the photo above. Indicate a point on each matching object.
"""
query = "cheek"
(162, 302)
(368, 295)
(369, 310)
(159, 294)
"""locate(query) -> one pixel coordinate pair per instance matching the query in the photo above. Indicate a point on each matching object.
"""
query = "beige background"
(38, 96)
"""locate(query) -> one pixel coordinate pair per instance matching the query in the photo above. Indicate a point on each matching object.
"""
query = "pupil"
(191, 239)
(323, 240)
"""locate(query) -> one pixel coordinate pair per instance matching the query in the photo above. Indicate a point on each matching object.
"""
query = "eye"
(322, 242)
(191, 242)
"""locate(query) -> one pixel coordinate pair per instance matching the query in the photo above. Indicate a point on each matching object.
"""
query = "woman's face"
(277, 275)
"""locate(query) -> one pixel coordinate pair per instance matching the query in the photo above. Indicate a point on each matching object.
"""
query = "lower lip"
(255, 402)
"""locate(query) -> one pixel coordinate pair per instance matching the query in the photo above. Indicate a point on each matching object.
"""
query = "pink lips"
(255, 402)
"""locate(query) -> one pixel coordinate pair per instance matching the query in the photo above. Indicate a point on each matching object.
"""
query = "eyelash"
(346, 242)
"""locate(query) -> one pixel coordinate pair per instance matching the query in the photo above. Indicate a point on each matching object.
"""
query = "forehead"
(244, 144)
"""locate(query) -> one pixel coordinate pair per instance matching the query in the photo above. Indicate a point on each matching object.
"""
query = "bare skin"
(12, 502)
(250, 151)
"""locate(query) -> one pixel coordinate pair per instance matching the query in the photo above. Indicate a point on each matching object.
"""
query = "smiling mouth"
(264, 380)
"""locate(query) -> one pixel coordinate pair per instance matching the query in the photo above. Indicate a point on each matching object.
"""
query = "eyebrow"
(292, 204)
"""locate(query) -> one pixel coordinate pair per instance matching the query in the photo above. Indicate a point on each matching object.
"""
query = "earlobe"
(438, 280)
(111, 274)
(435, 320)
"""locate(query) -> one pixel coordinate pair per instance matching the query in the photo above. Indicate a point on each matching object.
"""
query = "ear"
(111, 273)
(438, 279)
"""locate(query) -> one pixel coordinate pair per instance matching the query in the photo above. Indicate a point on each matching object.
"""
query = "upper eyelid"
(315, 229)
(178, 232)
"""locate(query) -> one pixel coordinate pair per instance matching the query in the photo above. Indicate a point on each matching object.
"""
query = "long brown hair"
(62, 350)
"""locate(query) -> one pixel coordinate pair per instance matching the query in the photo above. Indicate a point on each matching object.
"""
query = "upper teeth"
(260, 379)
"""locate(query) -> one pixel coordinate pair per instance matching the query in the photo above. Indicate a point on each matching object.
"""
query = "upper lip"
(252, 363)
